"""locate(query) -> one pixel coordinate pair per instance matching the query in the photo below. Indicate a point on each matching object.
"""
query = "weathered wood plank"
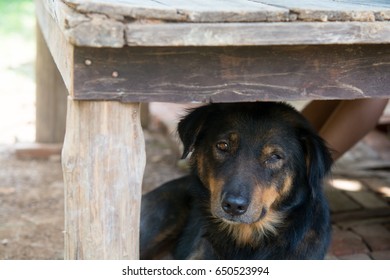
(232, 74)
(60, 48)
(82, 29)
(98, 31)
(114, 23)
(226, 11)
(237, 10)
(132, 9)
(188, 11)
(330, 10)
(372, 3)
(257, 34)
(51, 95)
(103, 160)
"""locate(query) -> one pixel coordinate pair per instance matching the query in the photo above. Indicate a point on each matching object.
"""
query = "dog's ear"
(317, 158)
(190, 127)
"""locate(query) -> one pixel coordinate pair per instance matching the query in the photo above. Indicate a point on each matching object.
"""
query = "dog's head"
(254, 158)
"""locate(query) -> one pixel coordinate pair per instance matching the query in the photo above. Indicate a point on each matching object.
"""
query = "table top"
(116, 23)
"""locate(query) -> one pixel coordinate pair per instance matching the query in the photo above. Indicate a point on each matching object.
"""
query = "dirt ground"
(31, 216)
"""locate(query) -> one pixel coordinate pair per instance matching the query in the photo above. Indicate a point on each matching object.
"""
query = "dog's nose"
(235, 205)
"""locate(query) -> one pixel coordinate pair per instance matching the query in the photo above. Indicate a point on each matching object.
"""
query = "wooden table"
(114, 54)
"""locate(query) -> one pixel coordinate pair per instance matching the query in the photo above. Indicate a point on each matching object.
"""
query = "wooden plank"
(232, 74)
(370, 3)
(188, 11)
(98, 31)
(103, 161)
(83, 30)
(110, 23)
(132, 9)
(60, 48)
(226, 11)
(329, 10)
(257, 34)
(51, 95)
(238, 10)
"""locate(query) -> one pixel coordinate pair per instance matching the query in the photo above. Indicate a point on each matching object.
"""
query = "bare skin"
(342, 123)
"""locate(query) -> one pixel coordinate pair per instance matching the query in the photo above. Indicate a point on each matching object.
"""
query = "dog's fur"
(255, 190)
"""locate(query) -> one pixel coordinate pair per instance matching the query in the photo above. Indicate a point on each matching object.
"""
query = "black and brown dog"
(255, 191)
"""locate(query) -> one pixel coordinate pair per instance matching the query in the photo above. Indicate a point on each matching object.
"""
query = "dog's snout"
(235, 205)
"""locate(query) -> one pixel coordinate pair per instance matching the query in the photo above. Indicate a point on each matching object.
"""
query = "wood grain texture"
(184, 11)
(78, 28)
(237, 10)
(103, 161)
(369, 3)
(257, 34)
(60, 47)
(330, 10)
(232, 74)
(98, 31)
(115, 23)
(51, 95)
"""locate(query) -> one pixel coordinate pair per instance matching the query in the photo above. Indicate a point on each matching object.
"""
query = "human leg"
(347, 123)
(318, 111)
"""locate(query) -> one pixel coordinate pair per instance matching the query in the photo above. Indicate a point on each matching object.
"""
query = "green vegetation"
(17, 38)
(17, 17)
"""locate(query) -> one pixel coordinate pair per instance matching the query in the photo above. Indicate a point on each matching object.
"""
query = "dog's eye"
(222, 146)
(274, 158)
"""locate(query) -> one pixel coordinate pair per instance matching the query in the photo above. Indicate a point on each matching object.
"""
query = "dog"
(255, 190)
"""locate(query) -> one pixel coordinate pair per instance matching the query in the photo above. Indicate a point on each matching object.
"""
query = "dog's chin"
(242, 219)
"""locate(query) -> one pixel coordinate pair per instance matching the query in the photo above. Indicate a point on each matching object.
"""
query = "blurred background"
(17, 87)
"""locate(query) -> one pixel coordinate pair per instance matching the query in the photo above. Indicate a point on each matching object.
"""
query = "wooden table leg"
(51, 96)
(103, 163)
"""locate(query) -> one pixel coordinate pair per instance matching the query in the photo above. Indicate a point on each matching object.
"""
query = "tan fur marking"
(264, 197)
(233, 137)
(209, 180)
(243, 233)
(253, 234)
(215, 186)
(267, 150)
(269, 196)
(287, 184)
